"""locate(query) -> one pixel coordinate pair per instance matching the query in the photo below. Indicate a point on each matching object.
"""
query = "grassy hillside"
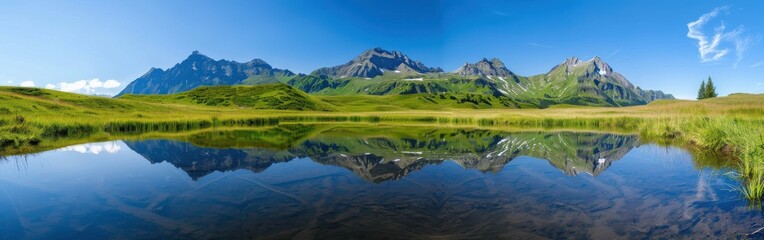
(265, 96)
(284, 97)
(540, 91)
(35, 103)
(278, 77)
(395, 83)
(443, 101)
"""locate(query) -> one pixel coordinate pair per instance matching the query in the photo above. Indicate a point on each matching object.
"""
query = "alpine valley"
(471, 120)
(483, 84)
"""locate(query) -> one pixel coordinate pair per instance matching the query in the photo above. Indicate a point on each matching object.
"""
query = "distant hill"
(381, 72)
(265, 96)
(23, 100)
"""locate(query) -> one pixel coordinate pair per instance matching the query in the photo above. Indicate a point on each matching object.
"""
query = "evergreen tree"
(702, 90)
(710, 89)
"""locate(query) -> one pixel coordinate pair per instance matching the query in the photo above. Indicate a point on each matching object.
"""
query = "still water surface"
(350, 183)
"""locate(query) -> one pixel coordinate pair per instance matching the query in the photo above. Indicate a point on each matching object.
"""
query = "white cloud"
(717, 46)
(758, 64)
(95, 83)
(85, 86)
(72, 87)
(10, 82)
(111, 84)
(27, 84)
(708, 51)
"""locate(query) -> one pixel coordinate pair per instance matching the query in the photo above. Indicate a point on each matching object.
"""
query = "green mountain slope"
(392, 84)
(266, 96)
(446, 90)
(577, 82)
(28, 101)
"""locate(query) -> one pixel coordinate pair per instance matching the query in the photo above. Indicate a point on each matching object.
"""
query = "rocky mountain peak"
(375, 62)
(484, 67)
(600, 66)
(595, 65)
(377, 50)
(196, 56)
(572, 61)
(258, 62)
(152, 72)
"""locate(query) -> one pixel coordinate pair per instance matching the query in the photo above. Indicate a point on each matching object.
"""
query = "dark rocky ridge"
(200, 70)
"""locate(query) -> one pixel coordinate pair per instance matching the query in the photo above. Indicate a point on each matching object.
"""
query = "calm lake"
(329, 182)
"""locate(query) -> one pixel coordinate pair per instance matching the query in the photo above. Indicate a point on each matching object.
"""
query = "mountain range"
(381, 72)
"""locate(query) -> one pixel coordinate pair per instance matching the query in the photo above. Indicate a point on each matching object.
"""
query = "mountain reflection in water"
(328, 182)
(382, 158)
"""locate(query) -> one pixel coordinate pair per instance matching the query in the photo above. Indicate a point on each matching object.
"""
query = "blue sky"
(60, 43)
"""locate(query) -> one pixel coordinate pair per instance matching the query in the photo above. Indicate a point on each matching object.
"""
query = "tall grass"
(741, 138)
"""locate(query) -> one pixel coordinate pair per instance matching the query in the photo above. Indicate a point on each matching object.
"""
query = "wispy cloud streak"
(614, 52)
(540, 45)
(716, 46)
(708, 49)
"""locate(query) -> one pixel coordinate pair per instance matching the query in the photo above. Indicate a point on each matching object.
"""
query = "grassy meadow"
(33, 120)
